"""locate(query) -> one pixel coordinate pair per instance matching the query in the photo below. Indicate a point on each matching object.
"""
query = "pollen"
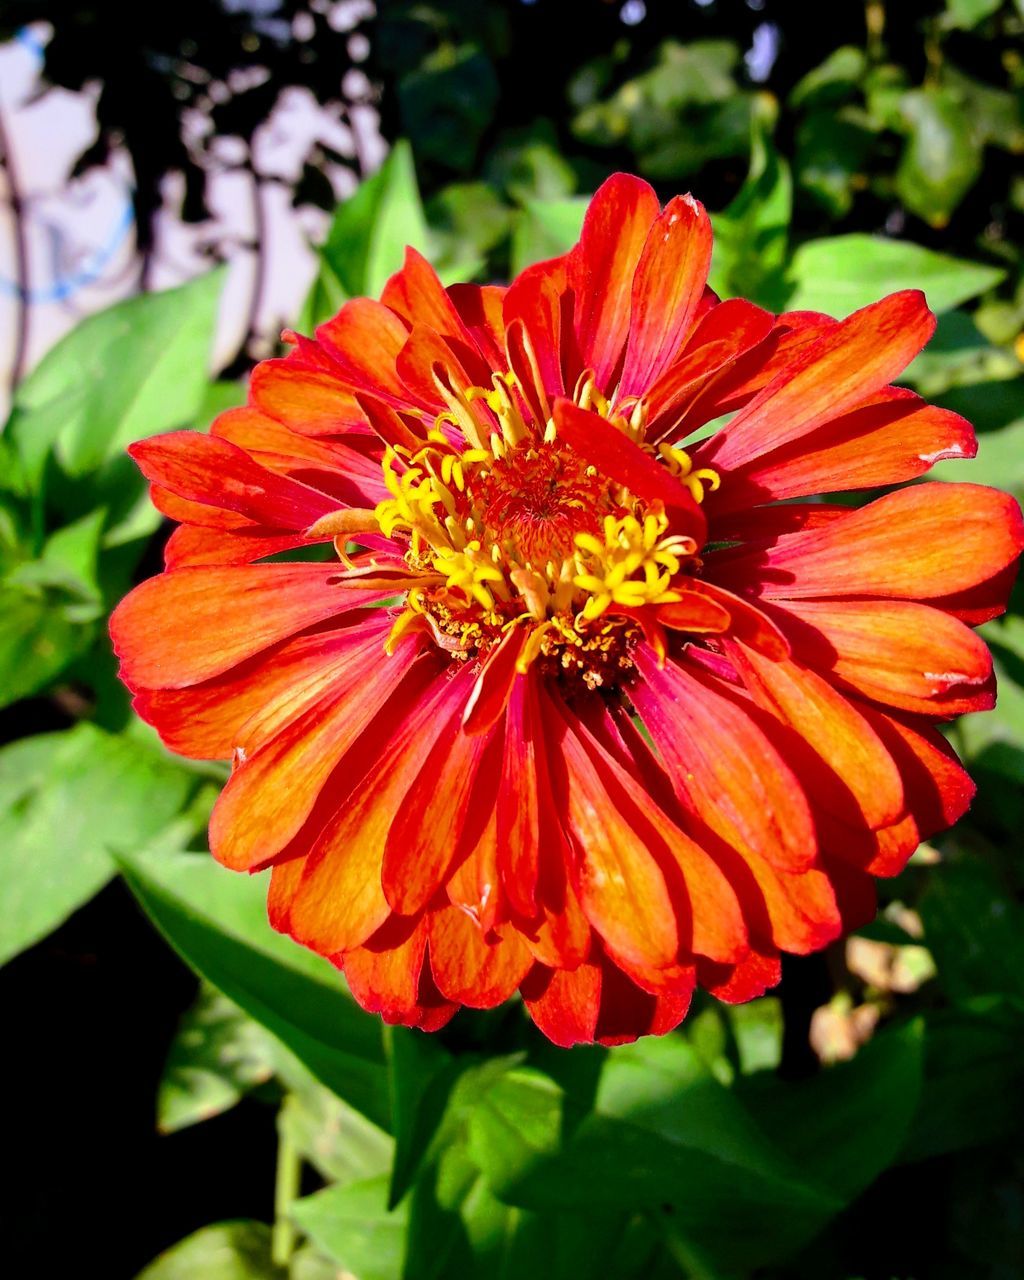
(512, 528)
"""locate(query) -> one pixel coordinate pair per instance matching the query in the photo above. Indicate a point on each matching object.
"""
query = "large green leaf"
(353, 1225)
(662, 1135)
(841, 273)
(752, 234)
(974, 929)
(135, 369)
(847, 1124)
(216, 920)
(973, 1087)
(66, 800)
(941, 159)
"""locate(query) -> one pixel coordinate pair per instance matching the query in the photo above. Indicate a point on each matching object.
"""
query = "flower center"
(511, 528)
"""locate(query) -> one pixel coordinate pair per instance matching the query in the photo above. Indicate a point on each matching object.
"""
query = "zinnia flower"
(572, 696)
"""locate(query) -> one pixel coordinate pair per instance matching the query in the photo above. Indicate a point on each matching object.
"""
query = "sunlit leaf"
(839, 274)
(216, 919)
(225, 1251)
(66, 800)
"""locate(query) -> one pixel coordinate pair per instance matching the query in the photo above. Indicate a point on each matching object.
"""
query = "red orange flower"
(580, 703)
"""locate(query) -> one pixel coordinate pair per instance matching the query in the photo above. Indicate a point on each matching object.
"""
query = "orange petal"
(893, 651)
(388, 977)
(601, 269)
(667, 288)
(638, 874)
(856, 358)
(847, 770)
(722, 764)
(271, 793)
(896, 436)
(213, 472)
(180, 628)
(340, 900)
(926, 540)
(472, 966)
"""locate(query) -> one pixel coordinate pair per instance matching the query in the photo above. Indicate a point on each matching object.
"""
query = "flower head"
(574, 698)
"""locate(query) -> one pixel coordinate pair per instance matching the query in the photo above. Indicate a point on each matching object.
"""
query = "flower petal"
(473, 967)
(893, 651)
(666, 291)
(856, 358)
(722, 764)
(926, 540)
(185, 627)
(602, 266)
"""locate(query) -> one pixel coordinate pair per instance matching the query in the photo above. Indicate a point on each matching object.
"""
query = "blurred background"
(180, 181)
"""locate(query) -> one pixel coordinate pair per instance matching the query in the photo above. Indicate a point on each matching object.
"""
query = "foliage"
(864, 164)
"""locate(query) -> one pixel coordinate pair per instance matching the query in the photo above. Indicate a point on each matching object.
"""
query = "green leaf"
(968, 13)
(831, 155)
(839, 274)
(216, 920)
(447, 103)
(370, 231)
(135, 369)
(216, 1057)
(662, 1134)
(973, 1088)
(226, 1251)
(353, 1226)
(847, 1124)
(974, 930)
(38, 639)
(832, 81)
(545, 229)
(67, 799)
(999, 461)
(941, 160)
(752, 234)
(342, 1145)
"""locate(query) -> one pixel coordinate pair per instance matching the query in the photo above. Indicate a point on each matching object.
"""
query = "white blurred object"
(75, 238)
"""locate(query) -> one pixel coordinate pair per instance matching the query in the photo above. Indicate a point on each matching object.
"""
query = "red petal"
(417, 295)
(666, 291)
(187, 626)
(340, 900)
(601, 269)
(388, 977)
(895, 437)
(727, 332)
(738, 983)
(564, 1003)
(638, 871)
(618, 458)
(192, 545)
(722, 765)
(311, 402)
(481, 308)
(213, 472)
(907, 655)
(208, 721)
(856, 358)
(472, 967)
(439, 810)
(926, 540)
(272, 792)
(535, 301)
(493, 685)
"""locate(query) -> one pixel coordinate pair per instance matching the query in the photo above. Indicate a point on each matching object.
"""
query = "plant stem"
(286, 1188)
(874, 20)
(21, 266)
